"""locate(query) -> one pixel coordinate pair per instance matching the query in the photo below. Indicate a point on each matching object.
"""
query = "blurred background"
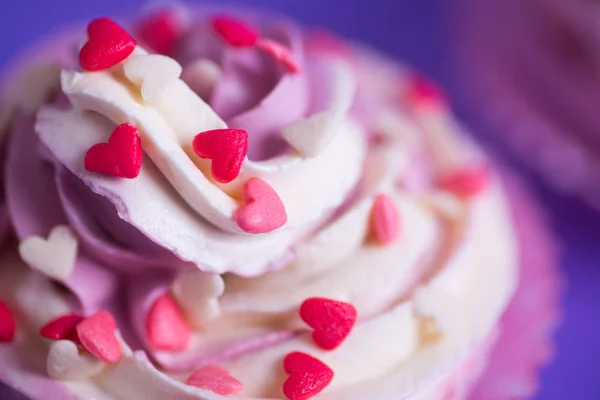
(523, 75)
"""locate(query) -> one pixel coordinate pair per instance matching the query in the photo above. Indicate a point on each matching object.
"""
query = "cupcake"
(529, 76)
(202, 204)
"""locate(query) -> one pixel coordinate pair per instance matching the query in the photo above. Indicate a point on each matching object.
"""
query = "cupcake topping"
(62, 328)
(235, 32)
(161, 31)
(331, 320)
(215, 379)
(108, 44)
(227, 148)
(385, 219)
(66, 362)
(308, 376)
(7, 324)
(280, 53)
(262, 210)
(98, 335)
(467, 182)
(154, 75)
(54, 257)
(120, 157)
(166, 328)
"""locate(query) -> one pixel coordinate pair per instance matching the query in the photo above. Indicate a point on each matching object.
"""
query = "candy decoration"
(235, 32)
(424, 92)
(263, 210)
(198, 294)
(308, 376)
(466, 183)
(7, 324)
(280, 53)
(161, 31)
(227, 149)
(385, 219)
(166, 328)
(108, 45)
(54, 257)
(154, 74)
(97, 334)
(65, 362)
(331, 320)
(120, 157)
(62, 328)
(215, 379)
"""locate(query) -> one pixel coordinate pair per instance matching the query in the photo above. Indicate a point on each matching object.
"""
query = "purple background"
(412, 30)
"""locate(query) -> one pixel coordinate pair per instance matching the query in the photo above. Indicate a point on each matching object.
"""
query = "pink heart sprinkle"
(7, 324)
(308, 376)
(422, 91)
(215, 379)
(280, 53)
(467, 182)
(263, 210)
(332, 320)
(98, 336)
(235, 32)
(62, 328)
(161, 31)
(166, 328)
(385, 219)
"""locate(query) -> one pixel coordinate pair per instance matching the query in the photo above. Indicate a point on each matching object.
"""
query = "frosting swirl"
(331, 129)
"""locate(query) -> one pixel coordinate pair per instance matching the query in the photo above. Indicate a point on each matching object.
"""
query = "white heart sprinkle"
(310, 136)
(198, 293)
(154, 74)
(64, 362)
(201, 76)
(54, 257)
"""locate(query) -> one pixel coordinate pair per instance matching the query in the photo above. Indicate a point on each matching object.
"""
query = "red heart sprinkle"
(215, 379)
(423, 91)
(264, 211)
(331, 320)
(385, 219)
(308, 376)
(62, 328)
(7, 324)
(466, 183)
(108, 45)
(226, 147)
(235, 32)
(166, 328)
(97, 334)
(161, 31)
(120, 157)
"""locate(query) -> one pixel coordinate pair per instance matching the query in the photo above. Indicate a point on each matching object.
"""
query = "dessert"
(200, 205)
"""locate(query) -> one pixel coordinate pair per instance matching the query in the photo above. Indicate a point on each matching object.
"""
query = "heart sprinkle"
(120, 157)
(108, 45)
(235, 32)
(263, 210)
(54, 257)
(466, 183)
(280, 53)
(385, 219)
(154, 74)
(308, 376)
(215, 379)
(62, 328)
(97, 334)
(331, 320)
(7, 324)
(65, 362)
(161, 31)
(423, 91)
(226, 147)
(166, 328)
